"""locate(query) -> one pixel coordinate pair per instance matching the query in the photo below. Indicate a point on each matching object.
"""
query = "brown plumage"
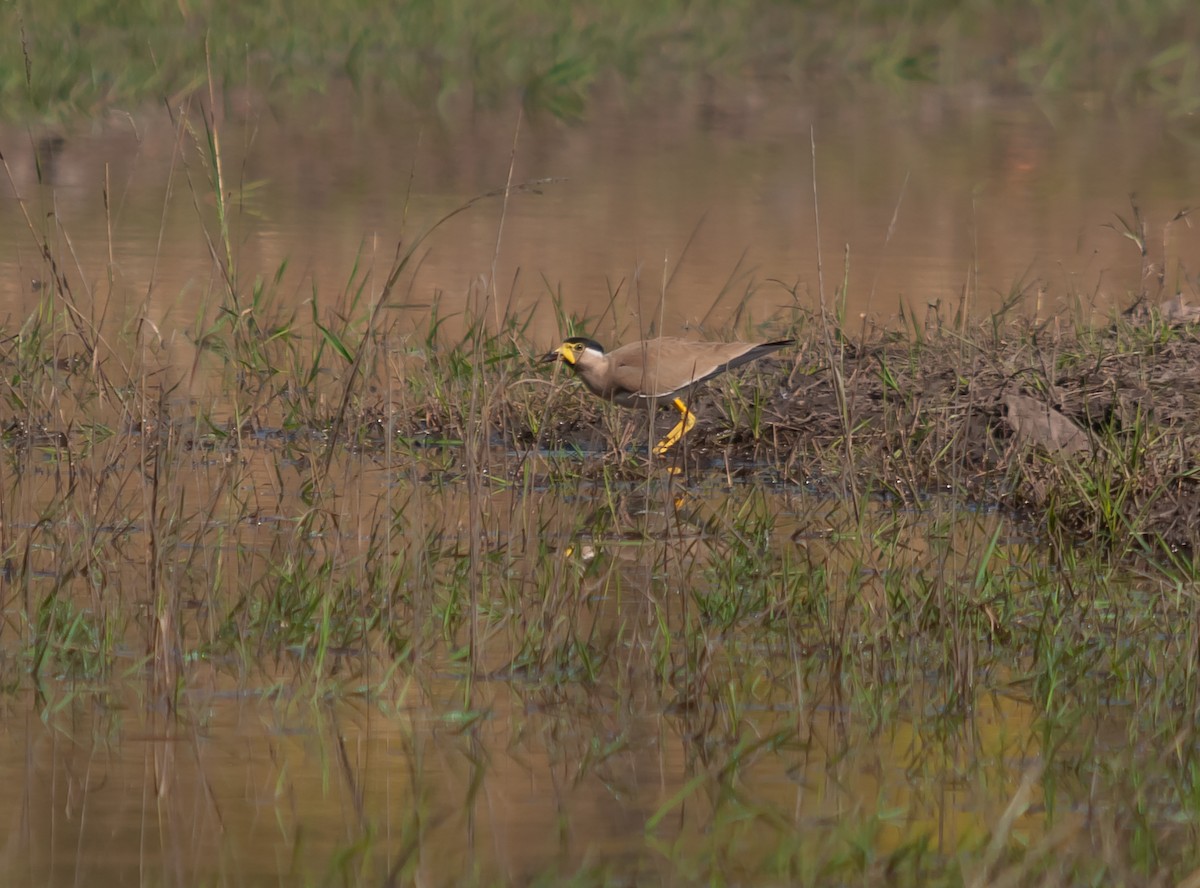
(639, 372)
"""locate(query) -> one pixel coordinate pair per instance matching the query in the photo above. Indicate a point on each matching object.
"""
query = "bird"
(643, 372)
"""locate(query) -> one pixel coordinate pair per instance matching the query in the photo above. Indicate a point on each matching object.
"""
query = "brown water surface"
(640, 692)
(527, 770)
(648, 216)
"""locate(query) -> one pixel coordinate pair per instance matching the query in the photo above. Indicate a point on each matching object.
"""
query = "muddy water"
(674, 216)
(446, 775)
(693, 214)
(267, 792)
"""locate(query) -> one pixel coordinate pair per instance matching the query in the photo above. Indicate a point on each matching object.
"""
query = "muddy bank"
(1095, 432)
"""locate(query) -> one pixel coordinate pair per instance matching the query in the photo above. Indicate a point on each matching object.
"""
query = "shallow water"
(663, 759)
(262, 791)
(655, 693)
(701, 213)
(663, 683)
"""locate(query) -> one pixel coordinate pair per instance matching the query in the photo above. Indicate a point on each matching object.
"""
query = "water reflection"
(644, 713)
(652, 679)
(261, 790)
(652, 218)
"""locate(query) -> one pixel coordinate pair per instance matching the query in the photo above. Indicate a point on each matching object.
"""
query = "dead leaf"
(1035, 422)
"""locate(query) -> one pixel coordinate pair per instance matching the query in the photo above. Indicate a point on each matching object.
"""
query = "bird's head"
(571, 350)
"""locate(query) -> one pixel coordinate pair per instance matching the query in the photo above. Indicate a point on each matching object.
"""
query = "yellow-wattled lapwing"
(640, 372)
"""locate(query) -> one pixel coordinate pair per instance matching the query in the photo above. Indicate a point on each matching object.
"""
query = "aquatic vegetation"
(919, 609)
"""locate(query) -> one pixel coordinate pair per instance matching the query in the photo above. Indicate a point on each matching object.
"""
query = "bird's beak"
(552, 356)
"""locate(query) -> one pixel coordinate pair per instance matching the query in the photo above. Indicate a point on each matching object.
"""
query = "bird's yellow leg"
(687, 419)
